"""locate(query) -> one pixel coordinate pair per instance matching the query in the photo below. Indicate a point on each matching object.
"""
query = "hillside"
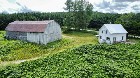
(87, 61)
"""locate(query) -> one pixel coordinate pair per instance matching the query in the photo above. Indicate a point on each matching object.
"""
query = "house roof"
(28, 26)
(115, 28)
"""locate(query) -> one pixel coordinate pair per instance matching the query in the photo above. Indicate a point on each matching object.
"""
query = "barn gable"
(34, 31)
(28, 26)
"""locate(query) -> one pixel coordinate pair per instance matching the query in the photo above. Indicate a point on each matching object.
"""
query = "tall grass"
(19, 50)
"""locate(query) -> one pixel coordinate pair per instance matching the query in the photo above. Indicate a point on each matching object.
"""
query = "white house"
(111, 33)
(40, 32)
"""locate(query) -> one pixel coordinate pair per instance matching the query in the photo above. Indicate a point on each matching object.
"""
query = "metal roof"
(28, 26)
(115, 28)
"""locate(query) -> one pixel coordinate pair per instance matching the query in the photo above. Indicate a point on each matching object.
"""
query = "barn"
(41, 32)
(112, 33)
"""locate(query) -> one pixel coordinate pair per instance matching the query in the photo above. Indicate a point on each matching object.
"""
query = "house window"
(102, 31)
(100, 37)
(107, 38)
(106, 31)
(122, 37)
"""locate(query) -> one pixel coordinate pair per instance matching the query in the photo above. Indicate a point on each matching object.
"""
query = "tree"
(130, 22)
(69, 18)
(79, 13)
(89, 13)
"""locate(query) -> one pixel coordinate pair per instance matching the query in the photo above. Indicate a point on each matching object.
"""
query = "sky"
(105, 6)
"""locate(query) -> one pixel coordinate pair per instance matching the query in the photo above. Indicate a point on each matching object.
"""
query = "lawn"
(14, 50)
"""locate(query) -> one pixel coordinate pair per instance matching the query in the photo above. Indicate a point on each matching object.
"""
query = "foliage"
(5, 19)
(98, 19)
(79, 19)
(87, 61)
(17, 50)
(130, 22)
(79, 14)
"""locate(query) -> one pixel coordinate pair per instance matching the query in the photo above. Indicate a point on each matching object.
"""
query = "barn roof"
(28, 26)
(115, 28)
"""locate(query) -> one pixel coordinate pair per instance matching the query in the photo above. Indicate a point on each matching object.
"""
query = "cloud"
(136, 7)
(116, 6)
(103, 4)
(7, 7)
(31, 5)
(43, 5)
(23, 8)
(106, 6)
(125, 0)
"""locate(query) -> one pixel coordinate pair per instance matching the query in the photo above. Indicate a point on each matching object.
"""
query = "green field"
(11, 50)
(77, 55)
(87, 61)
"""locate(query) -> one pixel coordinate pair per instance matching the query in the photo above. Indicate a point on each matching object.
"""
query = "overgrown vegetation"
(18, 50)
(87, 61)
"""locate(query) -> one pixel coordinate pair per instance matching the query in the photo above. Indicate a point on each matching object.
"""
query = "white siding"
(104, 36)
(118, 37)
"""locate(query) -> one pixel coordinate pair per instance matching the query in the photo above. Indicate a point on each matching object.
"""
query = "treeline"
(5, 19)
(98, 19)
(130, 21)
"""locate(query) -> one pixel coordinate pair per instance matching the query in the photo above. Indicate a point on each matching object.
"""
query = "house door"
(114, 39)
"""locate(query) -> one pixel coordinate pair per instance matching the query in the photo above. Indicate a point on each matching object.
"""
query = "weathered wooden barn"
(41, 32)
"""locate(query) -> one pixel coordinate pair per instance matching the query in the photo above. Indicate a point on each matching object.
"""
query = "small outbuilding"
(112, 33)
(41, 32)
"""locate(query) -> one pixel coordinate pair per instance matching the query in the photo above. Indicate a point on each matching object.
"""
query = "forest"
(130, 21)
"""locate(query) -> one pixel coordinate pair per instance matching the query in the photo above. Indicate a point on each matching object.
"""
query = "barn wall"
(53, 31)
(16, 35)
(39, 38)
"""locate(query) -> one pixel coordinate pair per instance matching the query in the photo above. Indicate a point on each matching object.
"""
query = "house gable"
(104, 31)
(111, 34)
(115, 28)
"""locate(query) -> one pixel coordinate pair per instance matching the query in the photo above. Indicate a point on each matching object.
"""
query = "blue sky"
(106, 6)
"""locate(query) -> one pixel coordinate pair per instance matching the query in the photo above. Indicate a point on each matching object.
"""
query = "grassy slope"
(87, 61)
(18, 50)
